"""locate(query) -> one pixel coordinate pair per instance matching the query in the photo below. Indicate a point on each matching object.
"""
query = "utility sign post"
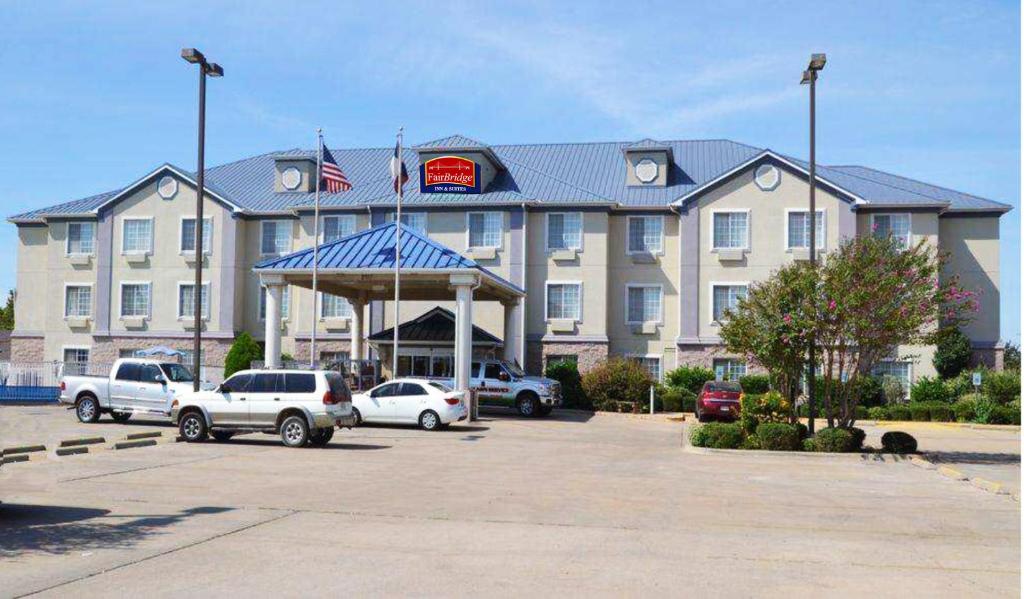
(976, 381)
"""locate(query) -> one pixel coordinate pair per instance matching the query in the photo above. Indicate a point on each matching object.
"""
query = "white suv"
(302, 406)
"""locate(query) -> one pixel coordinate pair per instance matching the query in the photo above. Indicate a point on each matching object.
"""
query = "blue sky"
(95, 94)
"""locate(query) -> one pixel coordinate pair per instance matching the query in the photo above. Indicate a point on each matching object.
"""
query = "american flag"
(334, 180)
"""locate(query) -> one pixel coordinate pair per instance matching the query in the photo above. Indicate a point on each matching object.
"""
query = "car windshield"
(440, 386)
(727, 386)
(514, 369)
(177, 373)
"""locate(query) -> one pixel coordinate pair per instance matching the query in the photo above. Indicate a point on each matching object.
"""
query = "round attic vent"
(646, 170)
(167, 187)
(767, 177)
(290, 178)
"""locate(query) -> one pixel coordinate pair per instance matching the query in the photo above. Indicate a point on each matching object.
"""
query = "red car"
(718, 400)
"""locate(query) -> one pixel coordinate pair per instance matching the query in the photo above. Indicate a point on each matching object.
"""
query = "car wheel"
(358, 416)
(87, 409)
(121, 417)
(430, 421)
(222, 435)
(322, 437)
(527, 405)
(295, 431)
(192, 427)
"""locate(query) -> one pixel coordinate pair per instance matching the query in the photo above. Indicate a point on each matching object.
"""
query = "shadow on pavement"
(275, 441)
(974, 457)
(64, 529)
(558, 415)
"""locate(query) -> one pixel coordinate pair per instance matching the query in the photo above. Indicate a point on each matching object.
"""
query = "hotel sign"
(449, 174)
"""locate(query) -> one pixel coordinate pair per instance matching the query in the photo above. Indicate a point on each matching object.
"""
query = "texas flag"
(399, 175)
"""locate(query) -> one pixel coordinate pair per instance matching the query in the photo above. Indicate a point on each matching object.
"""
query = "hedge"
(717, 435)
(927, 389)
(689, 377)
(677, 399)
(755, 383)
(616, 384)
(778, 436)
(832, 440)
(568, 374)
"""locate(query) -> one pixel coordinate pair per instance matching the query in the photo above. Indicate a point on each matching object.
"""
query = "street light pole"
(809, 78)
(213, 70)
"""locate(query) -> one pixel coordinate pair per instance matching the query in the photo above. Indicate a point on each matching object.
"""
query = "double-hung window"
(565, 231)
(798, 229)
(137, 235)
(77, 301)
(338, 226)
(729, 369)
(187, 300)
(76, 360)
(897, 225)
(563, 301)
(484, 229)
(188, 236)
(651, 364)
(134, 299)
(333, 306)
(81, 238)
(275, 237)
(284, 303)
(730, 230)
(645, 234)
(725, 297)
(898, 369)
(417, 221)
(643, 303)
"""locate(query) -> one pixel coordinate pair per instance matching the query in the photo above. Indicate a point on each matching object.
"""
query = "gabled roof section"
(648, 145)
(434, 326)
(910, 192)
(452, 141)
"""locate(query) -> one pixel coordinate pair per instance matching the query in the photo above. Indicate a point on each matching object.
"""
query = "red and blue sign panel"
(449, 174)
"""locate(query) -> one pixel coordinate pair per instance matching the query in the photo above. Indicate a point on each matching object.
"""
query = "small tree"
(952, 353)
(1011, 356)
(7, 313)
(241, 355)
(617, 383)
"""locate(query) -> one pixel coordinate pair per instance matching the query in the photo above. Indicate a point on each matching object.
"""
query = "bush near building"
(691, 378)
(832, 440)
(756, 410)
(717, 435)
(928, 389)
(952, 353)
(1002, 386)
(618, 385)
(568, 374)
(778, 436)
(242, 353)
(755, 383)
(676, 399)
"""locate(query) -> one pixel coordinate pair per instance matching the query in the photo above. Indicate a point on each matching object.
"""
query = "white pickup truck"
(133, 386)
(501, 383)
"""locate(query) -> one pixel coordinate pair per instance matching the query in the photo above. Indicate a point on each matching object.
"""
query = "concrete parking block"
(146, 435)
(24, 449)
(82, 441)
(75, 450)
(132, 444)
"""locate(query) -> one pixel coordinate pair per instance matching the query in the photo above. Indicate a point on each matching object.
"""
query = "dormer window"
(647, 163)
(646, 170)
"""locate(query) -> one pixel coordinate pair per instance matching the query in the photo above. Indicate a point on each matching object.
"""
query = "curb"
(949, 472)
(978, 482)
(813, 455)
(63, 451)
(146, 435)
(24, 449)
(81, 441)
(131, 444)
(15, 458)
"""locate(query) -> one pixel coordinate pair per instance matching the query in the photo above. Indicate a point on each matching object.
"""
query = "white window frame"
(320, 302)
(661, 302)
(822, 241)
(501, 229)
(910, 224)
(910, 372)
(547, 232)
(208, 302)
(91, 298)
(149, 300)
(262, 312)
(711, 229)
(658, 357)
(322, 231)
(152, 234)
(711, 295)
(207, 247)
(661, 243)
(579, 307)
(411, 215)
(67, 238)
(279, 222)
(739, 360)
(64, 349)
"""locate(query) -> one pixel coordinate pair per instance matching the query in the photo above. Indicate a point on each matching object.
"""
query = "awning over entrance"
(435, 328)
(361, 268)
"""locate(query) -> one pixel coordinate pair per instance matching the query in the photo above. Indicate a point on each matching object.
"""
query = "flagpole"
(316, 244)
(398, 254)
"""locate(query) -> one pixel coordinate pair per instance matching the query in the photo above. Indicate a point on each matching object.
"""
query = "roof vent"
(767, 177)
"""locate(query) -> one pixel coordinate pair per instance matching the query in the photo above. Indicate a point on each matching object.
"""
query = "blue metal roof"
(374, 249)
(565, 173)
(436, 326)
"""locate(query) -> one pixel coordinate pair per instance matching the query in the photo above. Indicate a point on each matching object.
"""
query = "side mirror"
(222, 388)
(160, 379)
(503, 376)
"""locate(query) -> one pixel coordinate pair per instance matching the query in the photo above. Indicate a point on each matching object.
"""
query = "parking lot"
(575, 504)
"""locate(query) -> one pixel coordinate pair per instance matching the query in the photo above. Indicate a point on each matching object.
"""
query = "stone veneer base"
(588, 354)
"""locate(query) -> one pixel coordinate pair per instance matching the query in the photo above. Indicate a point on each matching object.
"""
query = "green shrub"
(878, 413)
(940, 412)
(677, 399)
(899, 412)
(963, 384)
(1007, 414)
(750, 442)
(964, 409)
(758, 409)
(717, 435)
(892, 390)
(802, 429)
(618, 384)
(868, 391)
(833, 440)
(690, 377)
(861, 412)
(927, 389)
(755, 383)
(241, 355)
(809, 444)
(778, 436)
(568, 375)
(984, 409)
(899, 442)
(919, 412)
(1003, 386)
(952, 353)
(857, 436)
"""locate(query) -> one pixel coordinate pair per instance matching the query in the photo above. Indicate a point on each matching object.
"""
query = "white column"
(272, 332)
(463, 285)
(357, 333)
(511, 339)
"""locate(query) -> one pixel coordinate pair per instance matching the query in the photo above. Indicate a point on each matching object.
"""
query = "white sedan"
(430, 404)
